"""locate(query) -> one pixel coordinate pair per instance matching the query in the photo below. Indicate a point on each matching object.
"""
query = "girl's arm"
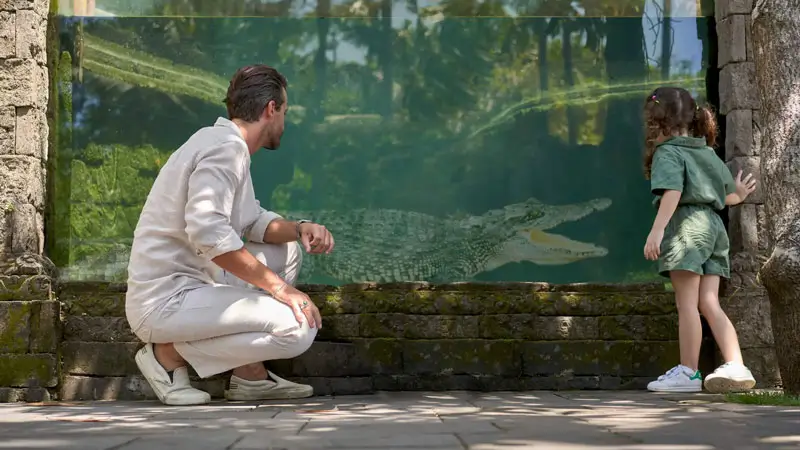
(733, 199)
(669, 202)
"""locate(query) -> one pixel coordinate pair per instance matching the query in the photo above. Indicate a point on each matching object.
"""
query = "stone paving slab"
(589, 420)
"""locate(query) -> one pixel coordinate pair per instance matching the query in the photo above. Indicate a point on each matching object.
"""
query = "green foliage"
(768, 398)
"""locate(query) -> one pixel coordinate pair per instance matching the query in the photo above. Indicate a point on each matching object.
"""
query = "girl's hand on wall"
(745, 187)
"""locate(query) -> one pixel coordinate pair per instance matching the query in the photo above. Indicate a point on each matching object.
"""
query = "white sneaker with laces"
(275, 388)
(730, 377)
(678, 379)
(176, 391)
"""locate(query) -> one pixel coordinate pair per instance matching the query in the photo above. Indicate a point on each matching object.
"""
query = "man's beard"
(273, 143)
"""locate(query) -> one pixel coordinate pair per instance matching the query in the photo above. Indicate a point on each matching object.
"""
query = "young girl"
(688, 238)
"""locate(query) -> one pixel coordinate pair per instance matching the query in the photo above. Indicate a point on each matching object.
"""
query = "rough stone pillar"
(745, 299)
(29, 314)
(23, 125)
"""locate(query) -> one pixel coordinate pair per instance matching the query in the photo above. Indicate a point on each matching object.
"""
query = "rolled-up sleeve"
(212, 187)
(256, 231)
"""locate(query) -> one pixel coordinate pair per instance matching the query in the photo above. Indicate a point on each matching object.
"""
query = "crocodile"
(389, 245)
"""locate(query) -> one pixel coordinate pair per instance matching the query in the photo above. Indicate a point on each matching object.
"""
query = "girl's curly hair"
(672, 110)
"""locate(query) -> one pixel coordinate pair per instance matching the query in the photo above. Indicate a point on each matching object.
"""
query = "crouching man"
(197, 294)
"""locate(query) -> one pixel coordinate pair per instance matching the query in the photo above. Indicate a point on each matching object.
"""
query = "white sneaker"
(678, 379)
(176, 391)
(730, 377)
(244, 390)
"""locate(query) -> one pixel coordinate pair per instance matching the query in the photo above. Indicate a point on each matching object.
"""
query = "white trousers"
(219, 328)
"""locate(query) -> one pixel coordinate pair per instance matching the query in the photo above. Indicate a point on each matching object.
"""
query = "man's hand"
(316, 238)
(301, 305)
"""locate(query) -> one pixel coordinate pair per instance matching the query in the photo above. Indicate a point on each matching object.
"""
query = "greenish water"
(434, 147)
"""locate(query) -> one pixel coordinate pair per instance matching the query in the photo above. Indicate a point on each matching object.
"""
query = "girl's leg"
(684, 377)
(690, 330)
(733, 375)
(721, 326)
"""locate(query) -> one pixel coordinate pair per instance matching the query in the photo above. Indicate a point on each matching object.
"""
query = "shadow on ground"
(418, 420)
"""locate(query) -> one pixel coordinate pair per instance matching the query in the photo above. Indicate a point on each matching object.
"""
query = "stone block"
(15, 327)
(463, 356)
(732, 40)
(743, 228)
(744, 270)
(8, 30)
(538, 328)
(750, 315)
(437, 382)
(100, 329)
(99, 358)
(23, 83)
(27, 228)
(577, 358)
(640, 328)
(339, 326)
(749, 165)
(724, 8)
(417, 326)
(21, 287)
(132, 387)
(14, 395)
(8, 122)
(45, 326)
(22, 181)
(654, 358)
(763, 362)
(14, 5)
(362, 357)
(102, 303)
(31, 36)
(739, 134)
(31, 132)
(479, 299)
(338, 386)
(737, 89)
(29, 370)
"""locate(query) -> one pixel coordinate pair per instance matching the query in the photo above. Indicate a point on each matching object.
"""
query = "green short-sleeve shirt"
(688, 165)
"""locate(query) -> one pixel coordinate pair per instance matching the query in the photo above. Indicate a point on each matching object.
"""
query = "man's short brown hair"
(251, 90)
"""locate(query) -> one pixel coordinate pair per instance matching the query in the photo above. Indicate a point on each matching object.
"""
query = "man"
(197, 294)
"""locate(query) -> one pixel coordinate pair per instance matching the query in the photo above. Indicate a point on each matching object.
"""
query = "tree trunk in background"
(666, 39)
(776, 37)
(566, 53)
(623, 141)
(386, 59)
(321, 61)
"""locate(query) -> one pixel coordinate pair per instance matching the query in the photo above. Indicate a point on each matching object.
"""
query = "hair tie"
(653, 97)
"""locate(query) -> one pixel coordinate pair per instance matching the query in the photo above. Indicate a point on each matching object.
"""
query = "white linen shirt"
(201, 205)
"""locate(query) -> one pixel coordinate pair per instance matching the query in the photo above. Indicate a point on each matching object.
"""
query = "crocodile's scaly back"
(385, 245)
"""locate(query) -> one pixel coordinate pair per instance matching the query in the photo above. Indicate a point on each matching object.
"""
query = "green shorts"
(695, 240)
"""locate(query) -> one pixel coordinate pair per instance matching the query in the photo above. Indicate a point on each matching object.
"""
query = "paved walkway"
(430, 421)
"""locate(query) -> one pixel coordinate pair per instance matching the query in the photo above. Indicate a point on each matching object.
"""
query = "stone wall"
(24, 93)
(29, 313)
(419, 337)
(29, 338)
(746, 301)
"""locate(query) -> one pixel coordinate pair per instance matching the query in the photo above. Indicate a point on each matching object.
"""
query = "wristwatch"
(300, 222)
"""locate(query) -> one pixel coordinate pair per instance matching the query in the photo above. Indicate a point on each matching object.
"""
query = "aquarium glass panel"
(439, 141)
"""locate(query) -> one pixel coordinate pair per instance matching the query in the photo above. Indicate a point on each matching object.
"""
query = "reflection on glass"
(454, 141)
